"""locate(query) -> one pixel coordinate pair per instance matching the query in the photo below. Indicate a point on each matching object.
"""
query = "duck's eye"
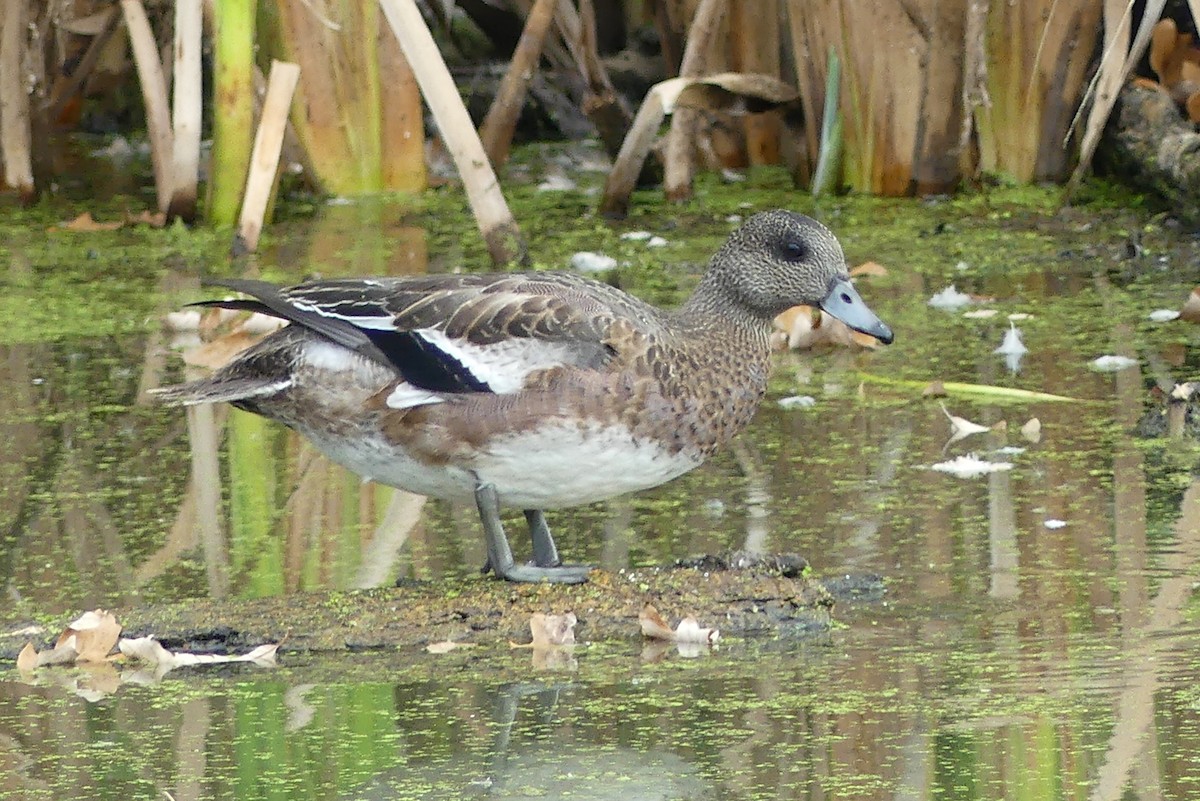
(794, 250)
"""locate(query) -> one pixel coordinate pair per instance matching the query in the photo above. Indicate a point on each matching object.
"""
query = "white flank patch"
(406, 396)
(504, 365)
(321, 355)
(970, 466)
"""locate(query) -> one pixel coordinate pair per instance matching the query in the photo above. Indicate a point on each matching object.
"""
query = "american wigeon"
(531, 390)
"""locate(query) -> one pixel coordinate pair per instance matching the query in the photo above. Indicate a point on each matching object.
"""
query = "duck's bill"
(844, 303)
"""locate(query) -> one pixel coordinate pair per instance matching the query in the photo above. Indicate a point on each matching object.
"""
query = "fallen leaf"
(869, 268)
(935, 389)
(150, 651)
(27, 660)
(86, 222)
(960, 427)
(805, 327)
(653, 625)
(1191, 308)
(1032, 430)
(95, 633)
(689, 630)
(446, 646)
(980, 314)
(552, 630)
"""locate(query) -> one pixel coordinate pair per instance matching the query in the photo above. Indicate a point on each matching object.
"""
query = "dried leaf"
(689, 630)
(980, 314)
(805, 327)
(1032, 430)
(220, 351)
(63, 653)
(960, 427)
(935, 389)
(150, 651)
(27, 660)
(869, 268)
(653, 625)
(95, 633)
(85, 222)
(552, 630)
(1191, 309)
(446, 646)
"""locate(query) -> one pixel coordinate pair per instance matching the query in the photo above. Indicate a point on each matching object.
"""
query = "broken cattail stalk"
(154, 96)
(15, 136)
(186, 100)
(402, 131)
(491, 212)
(264, 162)
(233, 107)
(338, 114)
(497, 130)
(623, 178)
(754, 26)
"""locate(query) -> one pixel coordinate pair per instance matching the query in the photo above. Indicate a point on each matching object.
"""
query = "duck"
(530, 390)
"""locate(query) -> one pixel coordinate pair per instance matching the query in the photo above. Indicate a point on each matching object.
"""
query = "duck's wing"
(464, 333)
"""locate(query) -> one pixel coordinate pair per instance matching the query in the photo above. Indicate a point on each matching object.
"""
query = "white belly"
(555, 466)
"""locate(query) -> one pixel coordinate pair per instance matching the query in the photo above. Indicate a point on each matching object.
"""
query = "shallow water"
(1010, 656)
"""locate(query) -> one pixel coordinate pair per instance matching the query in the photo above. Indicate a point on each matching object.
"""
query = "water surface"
(1036, 639)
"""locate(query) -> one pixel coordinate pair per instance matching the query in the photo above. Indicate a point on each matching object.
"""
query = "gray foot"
(500, 558)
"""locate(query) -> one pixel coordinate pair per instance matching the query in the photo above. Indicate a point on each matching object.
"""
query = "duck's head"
(779, 259)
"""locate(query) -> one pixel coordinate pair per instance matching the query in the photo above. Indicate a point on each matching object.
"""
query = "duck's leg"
(500, 558)
(545, 552)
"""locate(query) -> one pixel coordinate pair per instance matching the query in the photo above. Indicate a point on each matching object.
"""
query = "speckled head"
(779, 259)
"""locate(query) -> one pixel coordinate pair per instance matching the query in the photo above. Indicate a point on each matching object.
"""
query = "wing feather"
(463, 333)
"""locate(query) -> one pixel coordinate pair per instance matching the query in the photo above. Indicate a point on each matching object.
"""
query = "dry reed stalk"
(497, 130)
(601, 103)
(15, 134)
(684, 123)
(154, 96)
(754, 28)
(187, 97)
(264, 161)
(1117, 61)
(491, 212)
(402, 135)
(1038, 56)
(337, 112)
(902, 100)
(233, 107)
(622, 179)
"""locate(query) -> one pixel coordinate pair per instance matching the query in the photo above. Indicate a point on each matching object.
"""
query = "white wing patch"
(406, 396)
(503, 365)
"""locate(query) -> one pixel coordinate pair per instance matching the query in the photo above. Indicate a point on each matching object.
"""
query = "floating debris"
(970, 466)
